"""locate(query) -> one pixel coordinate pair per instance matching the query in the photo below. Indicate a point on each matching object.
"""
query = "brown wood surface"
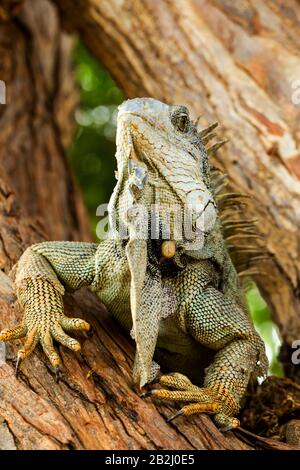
(37, 121)
(230, 61)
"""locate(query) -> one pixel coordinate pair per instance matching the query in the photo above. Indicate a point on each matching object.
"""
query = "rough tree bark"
(226, 62)
(37, 121)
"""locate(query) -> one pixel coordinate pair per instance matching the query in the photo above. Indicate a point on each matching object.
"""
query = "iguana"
(179, 294)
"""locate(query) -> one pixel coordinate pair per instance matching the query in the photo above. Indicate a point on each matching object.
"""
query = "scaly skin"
(173, 306)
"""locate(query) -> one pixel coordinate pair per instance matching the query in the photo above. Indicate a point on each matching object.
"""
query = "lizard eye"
(182, 122)
(180, 119)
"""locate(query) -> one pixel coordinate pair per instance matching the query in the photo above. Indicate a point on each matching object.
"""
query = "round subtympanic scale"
(168, 249)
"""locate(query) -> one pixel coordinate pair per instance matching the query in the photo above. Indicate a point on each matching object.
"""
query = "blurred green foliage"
(266, 328)
(93, 148)
(92, 159)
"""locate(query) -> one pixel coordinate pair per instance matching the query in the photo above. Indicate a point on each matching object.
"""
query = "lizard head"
(158, 145)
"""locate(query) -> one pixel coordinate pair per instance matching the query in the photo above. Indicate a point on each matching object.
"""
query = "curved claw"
(226, 429)
(58, 374)
(179, 413)
(17, 369)
(81, 356)
(90, 332)
(146, 394)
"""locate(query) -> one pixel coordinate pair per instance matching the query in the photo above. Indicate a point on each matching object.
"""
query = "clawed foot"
(201, 400)
(44, 332)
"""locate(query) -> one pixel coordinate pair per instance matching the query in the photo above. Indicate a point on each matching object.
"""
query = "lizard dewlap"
(176, 310)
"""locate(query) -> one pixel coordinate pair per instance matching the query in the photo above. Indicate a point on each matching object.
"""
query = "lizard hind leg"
(216, 321)
(178, 388)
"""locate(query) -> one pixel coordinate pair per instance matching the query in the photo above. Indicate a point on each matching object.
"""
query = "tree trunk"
(224, 62)
(37, 120)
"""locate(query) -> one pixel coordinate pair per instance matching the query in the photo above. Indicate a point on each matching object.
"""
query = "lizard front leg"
(40, 276)
(217, 322)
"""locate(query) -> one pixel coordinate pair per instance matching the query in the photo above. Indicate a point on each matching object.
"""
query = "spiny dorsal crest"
(239, 231)
(207, 134)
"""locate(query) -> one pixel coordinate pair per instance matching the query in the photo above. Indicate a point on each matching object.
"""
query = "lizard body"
(177, 305)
